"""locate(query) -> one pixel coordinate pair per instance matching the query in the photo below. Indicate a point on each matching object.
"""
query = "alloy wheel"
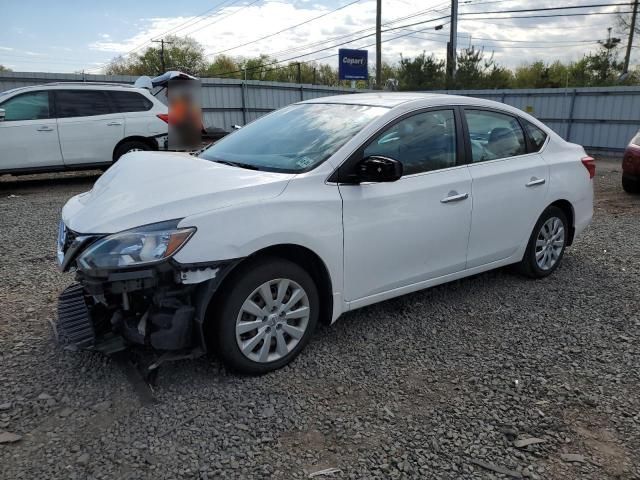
(272, 320)
(550, 243)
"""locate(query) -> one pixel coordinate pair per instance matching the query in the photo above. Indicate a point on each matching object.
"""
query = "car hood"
(149, 187)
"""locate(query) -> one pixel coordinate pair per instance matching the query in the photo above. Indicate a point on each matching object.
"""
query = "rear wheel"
(546, 245)
(130, 146)
(267, 317)
(630, 185)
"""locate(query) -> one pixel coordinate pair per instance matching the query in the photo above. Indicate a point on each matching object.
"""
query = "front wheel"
(267, 317)
(546, 245)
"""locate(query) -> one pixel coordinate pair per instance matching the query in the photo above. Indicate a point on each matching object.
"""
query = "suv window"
(130, 102)
(81, 103)
(27, 106)
(423, 142)
(536, 135)
(494, 135)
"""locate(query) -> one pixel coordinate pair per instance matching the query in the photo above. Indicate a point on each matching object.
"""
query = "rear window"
(130, 102)
(81, 103)
(536, 135)
(636, 140)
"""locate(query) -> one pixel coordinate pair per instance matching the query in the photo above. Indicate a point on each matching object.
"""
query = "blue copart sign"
(353, 64)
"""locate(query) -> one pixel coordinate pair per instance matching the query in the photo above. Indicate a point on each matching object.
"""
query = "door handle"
(454, 196)
(535, 181)
(44, 128)
(114, 124)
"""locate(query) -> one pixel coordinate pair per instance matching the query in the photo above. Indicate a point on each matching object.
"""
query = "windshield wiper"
(248, 166)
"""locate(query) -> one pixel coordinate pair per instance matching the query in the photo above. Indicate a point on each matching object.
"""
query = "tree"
(421, 72)
(541, 75)
(624, 23)
(222, 65)
(180, 53)
(4, 69)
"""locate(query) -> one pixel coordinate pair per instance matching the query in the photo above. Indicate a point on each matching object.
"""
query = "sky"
(72, 36)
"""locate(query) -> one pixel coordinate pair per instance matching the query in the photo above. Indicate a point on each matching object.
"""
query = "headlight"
(140, 246)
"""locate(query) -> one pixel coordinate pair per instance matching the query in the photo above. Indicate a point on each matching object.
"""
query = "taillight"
(590, 164)
(164, 117)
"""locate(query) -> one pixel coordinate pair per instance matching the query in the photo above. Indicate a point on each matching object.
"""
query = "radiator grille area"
(74, 323)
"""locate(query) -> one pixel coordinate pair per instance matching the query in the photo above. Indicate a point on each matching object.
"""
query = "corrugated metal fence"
(599, 118)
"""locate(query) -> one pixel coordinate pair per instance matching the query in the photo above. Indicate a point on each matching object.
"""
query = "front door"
(89, 127)
(416, 228)
(510, 184)
(29, 134)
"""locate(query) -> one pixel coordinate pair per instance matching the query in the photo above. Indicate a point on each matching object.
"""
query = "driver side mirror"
(3, 113)
(378, 169)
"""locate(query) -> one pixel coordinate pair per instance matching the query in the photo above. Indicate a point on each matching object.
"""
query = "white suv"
(69, 126)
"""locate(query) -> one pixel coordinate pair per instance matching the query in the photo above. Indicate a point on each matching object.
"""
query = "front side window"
(130, 102)
(536, 135)
(28, 106)
(422, 142)
(81, 103)
(294, 139)
(494, 135)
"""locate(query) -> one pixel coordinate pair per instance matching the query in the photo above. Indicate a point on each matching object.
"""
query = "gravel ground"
(449, 383)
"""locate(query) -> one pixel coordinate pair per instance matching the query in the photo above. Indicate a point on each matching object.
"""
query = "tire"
(235, 326)
(536, 263)
(129, 146)
(630, 185)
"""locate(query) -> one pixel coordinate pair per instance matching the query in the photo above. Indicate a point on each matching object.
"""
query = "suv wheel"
(546, 245)
(267, 317)
(130, 146)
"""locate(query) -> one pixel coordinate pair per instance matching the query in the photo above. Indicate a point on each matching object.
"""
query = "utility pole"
(162, 41)
(379, 45)
(631, 32)
(452, 47)
(299, 73)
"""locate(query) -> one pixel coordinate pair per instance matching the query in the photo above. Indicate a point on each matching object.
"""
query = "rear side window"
(130, 102)
(28, 106)
(536, 135)
(81, 103)
(494, 135)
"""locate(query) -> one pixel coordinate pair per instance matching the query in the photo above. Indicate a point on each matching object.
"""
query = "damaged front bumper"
(162, 307)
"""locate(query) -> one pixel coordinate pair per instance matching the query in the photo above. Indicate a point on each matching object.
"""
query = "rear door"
(88, 125)
(29, 134)
(509, 185)
(139, 119)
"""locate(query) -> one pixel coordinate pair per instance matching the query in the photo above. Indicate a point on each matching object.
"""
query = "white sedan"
(319, 208)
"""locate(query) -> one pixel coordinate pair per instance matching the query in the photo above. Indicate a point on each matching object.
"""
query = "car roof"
(394, 99)
(74, 85)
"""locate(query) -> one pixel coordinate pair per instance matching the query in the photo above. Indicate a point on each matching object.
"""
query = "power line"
(223, 17)
(337, 45)
(504, 39)
(546, 16)
(340, 37)
(547, 27)
(283, 30)
(183, 25)
(593, 5)
(173, 30)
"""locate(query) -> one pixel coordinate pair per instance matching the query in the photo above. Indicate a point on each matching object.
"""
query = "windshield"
(294, 139)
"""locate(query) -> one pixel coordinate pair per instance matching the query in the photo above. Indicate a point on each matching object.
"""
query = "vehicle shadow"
(25, 182)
